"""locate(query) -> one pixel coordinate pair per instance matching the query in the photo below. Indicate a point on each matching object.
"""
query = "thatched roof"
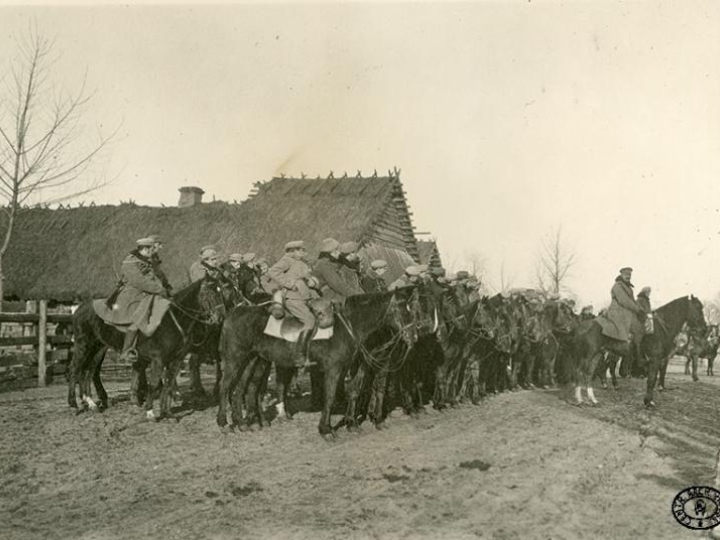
(69, 253)
(428, 253)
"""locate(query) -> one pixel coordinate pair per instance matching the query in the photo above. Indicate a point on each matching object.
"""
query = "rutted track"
(521, 465)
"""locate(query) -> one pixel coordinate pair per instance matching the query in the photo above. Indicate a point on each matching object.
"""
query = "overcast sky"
(507, 119)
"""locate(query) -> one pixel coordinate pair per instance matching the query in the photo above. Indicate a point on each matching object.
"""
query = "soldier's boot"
(301, 358)
(129, 353)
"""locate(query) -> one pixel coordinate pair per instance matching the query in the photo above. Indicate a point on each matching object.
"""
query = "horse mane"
(673, 303)
(366, 300)
(188, 292)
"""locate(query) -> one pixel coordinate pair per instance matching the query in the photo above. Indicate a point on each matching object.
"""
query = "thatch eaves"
(70, 253)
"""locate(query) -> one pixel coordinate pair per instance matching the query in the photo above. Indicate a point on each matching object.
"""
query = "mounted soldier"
(587, 313)
(155, 258)
(624, 309)
(643, 300)
(141, 291)
(408, 279)
(243, 277)
(266, 282)
(334, 284)
(350, 267)
(295, 277)
(372, 280)
(206, 266)
(461, 288)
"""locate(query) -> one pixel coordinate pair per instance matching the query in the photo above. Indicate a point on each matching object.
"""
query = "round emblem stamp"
(697, 507)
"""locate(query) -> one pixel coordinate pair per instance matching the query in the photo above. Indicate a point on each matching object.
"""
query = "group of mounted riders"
(427, 336)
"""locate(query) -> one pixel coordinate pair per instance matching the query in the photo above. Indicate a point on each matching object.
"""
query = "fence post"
(42, 342)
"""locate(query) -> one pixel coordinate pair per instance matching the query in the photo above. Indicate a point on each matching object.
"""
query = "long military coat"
(623, 310)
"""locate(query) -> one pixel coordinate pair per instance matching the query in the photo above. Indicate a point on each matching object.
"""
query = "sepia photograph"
(318, 270)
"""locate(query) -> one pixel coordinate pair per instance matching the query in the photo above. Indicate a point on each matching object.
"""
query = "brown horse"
(591, 344)
(243, 341)
(162, 352)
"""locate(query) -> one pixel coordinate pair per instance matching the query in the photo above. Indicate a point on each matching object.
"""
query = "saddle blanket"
(609, 328)
(289, 328)
(145, 316)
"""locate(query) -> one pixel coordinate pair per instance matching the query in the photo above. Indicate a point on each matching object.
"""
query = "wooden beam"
(42, 343)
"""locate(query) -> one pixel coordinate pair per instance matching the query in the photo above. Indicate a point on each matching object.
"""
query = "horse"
(243, 339)
(163, 351)
(657, 346)
(591, 344)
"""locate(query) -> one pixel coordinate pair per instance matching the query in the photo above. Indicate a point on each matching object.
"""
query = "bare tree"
(712, 310)
(505, 280)
(555, 262)
(40, 136)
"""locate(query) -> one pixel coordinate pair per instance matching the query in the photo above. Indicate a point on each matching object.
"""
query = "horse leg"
(138, 383)
(218, 374)
(99, 388)
(661, 369)
(694, 358)
(711, 361)
(613, 366)
(196, 387)
(688, 359)
(283, 383)
(332, 376)
(356, 385)
(651, 378)
(377, 411)
(231, 370)
(169, 386)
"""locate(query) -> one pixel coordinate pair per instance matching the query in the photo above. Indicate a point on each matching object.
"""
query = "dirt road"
(521, 465)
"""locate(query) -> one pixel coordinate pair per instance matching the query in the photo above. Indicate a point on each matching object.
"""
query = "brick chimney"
(190, 196)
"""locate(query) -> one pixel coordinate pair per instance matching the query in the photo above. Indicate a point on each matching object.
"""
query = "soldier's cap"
(208, 253)
(348, 247)
(553, 296)
(451, 277)
(329, 245)
(207, 248)
(295, 244)
(379, 263)
(262, 260)
(463, 274)
(646, 290)
(248, 257)
(237, 257)
(625, 269)
(423, 268)
(437, 271)
(412, 271)
(155, 238)
(588, 308)
(145, 242)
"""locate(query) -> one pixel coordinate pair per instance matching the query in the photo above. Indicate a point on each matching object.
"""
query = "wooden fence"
(39, 339)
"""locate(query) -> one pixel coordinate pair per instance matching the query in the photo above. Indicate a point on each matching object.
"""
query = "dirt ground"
(520, 465)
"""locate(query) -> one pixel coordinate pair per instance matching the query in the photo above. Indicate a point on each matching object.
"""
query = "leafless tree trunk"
(505, 280)
(555, 261)
(39, 134)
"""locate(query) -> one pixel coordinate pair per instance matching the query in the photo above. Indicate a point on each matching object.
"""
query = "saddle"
(288, 328)
(144, 315)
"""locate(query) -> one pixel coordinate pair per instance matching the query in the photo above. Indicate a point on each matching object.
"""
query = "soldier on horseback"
(350, 267)
(408, 279)
(372, 280)
(139, 283)
(624, 308)
(206, 266)
(329, 272)
(155, 258)
(294, 276)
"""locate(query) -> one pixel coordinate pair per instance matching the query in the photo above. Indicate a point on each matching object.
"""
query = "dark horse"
(163, 351)
(243, 340)
(591, 344)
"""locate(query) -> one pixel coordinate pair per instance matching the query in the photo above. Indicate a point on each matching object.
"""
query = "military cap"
(626, 269)
(207, 248)
(437, 271)
(348, 247)
(463, 274)
(208, 253)
(262, 260)
(155, 238)
(422, 268)
(646, 290)
(328, 245)
(248, 257)
(295, 244)
(379, 263)
(451, 277)
(237, 257)
(145, 242)
(553, 296)
(587, 308)
(412, 271)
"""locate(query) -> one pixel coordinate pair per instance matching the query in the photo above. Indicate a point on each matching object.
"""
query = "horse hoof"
(150, 415)
(381, 426)
(650, 404)
(661, 389)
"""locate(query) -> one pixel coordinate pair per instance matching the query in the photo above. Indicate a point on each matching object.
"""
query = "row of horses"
(409, 347)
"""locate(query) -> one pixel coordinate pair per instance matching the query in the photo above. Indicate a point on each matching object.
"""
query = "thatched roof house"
(429, 254)
(69, 253)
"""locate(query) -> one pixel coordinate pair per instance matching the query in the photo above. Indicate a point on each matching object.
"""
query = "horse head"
(402, 313)
(695, 315)
(322, 308)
